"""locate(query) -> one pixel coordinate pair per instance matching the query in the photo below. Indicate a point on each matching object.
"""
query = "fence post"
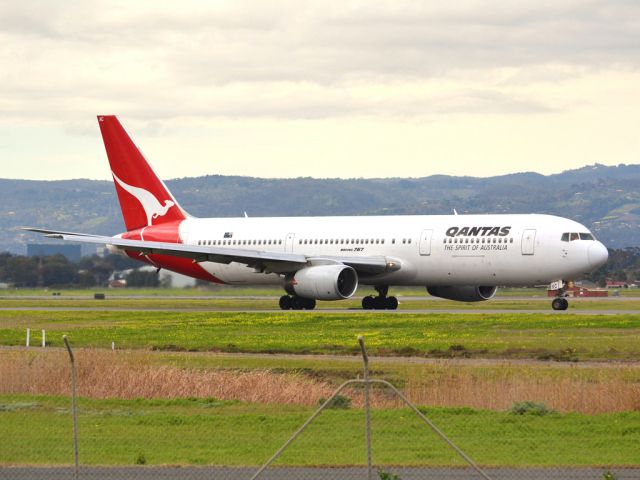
(367, 406)
(73, 404)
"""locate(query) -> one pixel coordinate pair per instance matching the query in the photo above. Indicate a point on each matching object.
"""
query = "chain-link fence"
(198, 438)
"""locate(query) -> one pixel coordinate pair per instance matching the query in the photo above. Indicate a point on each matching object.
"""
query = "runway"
(308, 473)
(337, 311)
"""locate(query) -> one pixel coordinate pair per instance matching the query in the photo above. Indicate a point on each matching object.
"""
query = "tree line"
(57, 271)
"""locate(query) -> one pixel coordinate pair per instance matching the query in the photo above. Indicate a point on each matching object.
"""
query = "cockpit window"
(570, 237)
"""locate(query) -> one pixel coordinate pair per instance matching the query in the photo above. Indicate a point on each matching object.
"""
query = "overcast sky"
(322, 89)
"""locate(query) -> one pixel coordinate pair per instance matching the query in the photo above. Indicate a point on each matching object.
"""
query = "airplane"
(456, 257)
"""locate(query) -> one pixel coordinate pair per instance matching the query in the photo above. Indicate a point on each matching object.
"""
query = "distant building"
(72, 252)
(617, 284)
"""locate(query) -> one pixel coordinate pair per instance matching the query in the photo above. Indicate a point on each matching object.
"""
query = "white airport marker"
(113, 345)
(28, 336)
(43, 339)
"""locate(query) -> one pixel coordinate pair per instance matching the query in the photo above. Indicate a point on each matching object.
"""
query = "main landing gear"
(293, 302)
(381, 302)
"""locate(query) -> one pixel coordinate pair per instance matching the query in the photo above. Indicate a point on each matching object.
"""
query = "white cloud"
(168, 68)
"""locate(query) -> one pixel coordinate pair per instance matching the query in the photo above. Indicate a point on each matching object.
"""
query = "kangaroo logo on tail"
(152, 207)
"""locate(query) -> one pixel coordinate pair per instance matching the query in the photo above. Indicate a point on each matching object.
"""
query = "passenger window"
(393, 241)
(511, 240)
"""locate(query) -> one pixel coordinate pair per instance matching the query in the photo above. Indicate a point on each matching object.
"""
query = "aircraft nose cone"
(598, 255)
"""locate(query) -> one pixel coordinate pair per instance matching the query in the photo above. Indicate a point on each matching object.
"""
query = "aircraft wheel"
(559, 303)
(285, 302)
(391, 303)
(380, 303)
(297, 303)
(309, 303)
(368, 303)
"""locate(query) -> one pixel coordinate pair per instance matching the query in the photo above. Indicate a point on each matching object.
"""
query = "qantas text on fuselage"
(458, 257)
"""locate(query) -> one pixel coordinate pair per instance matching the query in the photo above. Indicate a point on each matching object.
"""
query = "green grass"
(271, 303)
(209, 432)
(544, 336)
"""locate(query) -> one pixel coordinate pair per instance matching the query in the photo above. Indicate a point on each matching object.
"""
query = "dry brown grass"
(106, 374)
(588, 392)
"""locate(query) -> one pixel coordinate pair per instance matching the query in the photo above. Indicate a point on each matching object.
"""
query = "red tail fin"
(144, 198)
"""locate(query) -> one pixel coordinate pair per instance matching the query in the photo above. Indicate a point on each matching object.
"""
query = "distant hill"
(606, 199)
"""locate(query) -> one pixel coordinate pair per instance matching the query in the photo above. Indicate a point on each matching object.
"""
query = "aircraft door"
(288, 243)
(425, 242)
(528, 241)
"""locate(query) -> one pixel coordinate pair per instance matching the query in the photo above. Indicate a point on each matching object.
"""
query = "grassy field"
(540, 336)
(135, 403)
(261, 303)
(206, 431)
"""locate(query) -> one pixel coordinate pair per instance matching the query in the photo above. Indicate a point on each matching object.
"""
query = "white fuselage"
(507, 250)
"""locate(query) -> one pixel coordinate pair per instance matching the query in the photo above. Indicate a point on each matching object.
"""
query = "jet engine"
(463, 294)
(322, 282)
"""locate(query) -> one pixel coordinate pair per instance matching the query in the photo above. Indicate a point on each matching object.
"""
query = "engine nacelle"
(463, 294)
(323, 282)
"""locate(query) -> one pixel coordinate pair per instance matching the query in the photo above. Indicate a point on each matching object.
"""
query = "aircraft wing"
(262, 260)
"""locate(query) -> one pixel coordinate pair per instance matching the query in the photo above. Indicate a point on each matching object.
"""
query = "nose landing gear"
(560, 303)
(381, 302)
